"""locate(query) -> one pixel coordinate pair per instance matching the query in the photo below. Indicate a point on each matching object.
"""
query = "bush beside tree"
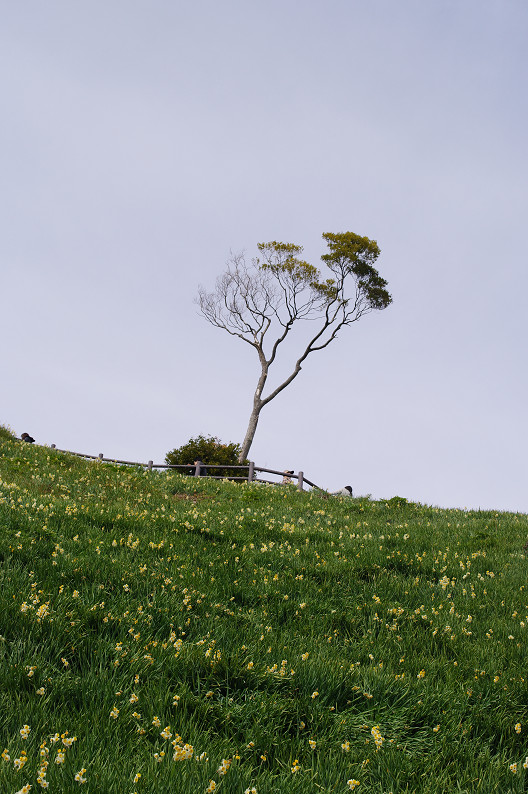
(211, 451)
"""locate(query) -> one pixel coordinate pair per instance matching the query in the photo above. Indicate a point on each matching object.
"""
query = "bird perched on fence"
(27, 437)
(346, 491)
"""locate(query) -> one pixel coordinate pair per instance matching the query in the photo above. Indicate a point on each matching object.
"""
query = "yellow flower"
(421, 674)
(20, 762)
(224, 766)
(295, 766)
(114, 713)
(25, 731)
(211, 787)
(185, 752)
(518, 728)
(345, 747)
(79, 777)
(312, 744)
(513, 769)
(315, 694)
(24, 789)
(352, 784)
(436, 728)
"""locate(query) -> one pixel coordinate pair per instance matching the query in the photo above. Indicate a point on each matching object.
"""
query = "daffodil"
(79, 777)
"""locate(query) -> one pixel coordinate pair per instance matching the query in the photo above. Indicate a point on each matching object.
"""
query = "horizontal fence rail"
(249, 477)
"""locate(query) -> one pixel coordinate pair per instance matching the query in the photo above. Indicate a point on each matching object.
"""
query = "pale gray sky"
(141, 142)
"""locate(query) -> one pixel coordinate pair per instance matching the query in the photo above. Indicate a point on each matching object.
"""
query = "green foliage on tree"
(211, 451)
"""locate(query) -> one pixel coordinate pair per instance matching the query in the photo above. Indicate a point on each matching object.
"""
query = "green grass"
(254, 621)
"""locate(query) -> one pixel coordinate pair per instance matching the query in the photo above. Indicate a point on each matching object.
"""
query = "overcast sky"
(141, 142)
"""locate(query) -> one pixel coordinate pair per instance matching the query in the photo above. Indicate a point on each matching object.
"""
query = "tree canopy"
(260, 302)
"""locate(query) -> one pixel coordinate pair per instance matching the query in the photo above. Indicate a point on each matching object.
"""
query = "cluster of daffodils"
(223, 770)
(280, 671)
(183, 752)
(63, 743)
(43, 767)
(514, 768)
(224, 766)
(378, 738)
(80, 776)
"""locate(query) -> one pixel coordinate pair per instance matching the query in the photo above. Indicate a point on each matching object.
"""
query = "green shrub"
(6, 434)
(397, 500)
(210, 451)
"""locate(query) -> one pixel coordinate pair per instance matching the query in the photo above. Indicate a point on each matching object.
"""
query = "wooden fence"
(196, 468)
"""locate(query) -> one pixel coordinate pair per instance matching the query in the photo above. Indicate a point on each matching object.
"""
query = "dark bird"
(27, 437)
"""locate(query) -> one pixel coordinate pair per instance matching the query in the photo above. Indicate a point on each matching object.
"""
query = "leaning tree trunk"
(250, 433)
(255, 413)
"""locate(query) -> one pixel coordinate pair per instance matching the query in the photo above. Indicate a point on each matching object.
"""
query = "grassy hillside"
(168, 634)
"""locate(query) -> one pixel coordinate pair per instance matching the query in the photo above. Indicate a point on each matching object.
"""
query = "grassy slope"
(276, 618)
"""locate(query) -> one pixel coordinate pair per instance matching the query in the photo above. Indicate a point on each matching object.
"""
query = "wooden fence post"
(251, 471)
(300, 480)
(197, 468)
(150, 464)
(100, 456)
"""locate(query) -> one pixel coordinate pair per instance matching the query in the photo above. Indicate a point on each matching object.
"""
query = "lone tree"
(261, 302)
